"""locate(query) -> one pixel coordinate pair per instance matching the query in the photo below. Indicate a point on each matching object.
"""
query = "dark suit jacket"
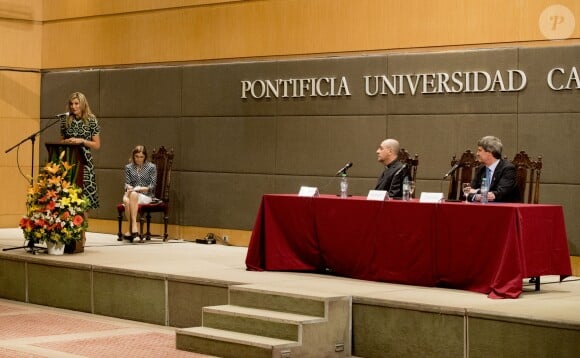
(391, 179)
(504, 183)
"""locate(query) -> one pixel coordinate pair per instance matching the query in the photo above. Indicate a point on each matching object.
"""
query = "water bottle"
(344, 186)
(483, 190)
(406, 189)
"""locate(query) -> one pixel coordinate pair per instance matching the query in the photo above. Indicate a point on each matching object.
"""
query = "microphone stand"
(32, 138)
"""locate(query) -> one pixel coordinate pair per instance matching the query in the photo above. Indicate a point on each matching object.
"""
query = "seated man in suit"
(392, 177)
(503, 185)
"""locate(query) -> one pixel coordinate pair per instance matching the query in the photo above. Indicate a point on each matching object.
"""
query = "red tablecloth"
(483, 248)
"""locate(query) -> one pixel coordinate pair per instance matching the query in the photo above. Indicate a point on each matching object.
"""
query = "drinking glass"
(411, 188)
(466, 187)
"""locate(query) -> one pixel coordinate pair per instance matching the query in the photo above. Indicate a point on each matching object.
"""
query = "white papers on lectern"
(309, 191)
(378, 195)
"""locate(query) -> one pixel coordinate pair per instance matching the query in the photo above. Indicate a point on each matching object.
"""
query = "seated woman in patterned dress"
(140, 182)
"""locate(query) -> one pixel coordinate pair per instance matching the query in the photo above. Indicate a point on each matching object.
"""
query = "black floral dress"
(78, 129)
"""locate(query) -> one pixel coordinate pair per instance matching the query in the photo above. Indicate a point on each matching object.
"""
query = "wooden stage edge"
(169, 283)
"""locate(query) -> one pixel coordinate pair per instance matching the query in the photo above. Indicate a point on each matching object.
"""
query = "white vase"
(55, 248)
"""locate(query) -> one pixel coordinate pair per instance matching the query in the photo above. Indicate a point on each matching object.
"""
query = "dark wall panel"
(322, 145)
(229, 144)
(448, 62)
(352, 69)
(436, 138)
(538, 97)
(229, 151)
(215, 90)
(142, 92)
(57, 86)
(221, 199)
(553, 136)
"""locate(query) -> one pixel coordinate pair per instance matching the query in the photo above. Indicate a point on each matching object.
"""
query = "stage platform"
(168, 284)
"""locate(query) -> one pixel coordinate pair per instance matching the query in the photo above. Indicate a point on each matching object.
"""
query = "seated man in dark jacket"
(503, 186)
(394, 173)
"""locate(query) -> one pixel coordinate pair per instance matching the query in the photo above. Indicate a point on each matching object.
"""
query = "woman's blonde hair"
(86, 112)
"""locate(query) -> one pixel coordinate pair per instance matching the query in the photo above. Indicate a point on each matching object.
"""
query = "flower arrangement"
(55, 206)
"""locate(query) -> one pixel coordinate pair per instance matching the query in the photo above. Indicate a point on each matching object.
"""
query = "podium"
(73, 154)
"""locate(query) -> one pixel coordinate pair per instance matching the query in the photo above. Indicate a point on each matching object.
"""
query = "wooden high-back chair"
(528, 177)
(163, 160)
(411, 162)
(463, 174)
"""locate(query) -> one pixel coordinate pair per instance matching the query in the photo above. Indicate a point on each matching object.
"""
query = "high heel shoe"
(133, 236)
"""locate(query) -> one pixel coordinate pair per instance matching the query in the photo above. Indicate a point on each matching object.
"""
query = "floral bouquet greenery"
(55, 206)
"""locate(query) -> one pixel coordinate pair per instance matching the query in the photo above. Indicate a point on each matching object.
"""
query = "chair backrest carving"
(528, 177)
(463, 174)
(412, 162)
(163, 159)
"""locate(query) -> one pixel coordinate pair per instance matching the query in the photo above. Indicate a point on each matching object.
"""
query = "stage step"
(224, 343)
(265, 322)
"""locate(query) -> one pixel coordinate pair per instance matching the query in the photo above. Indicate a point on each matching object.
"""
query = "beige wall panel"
(13, 203)
(62, 9)
(19, 94)
(15, 167)
(529, 16)
(20, 43)
(21, 9)
(19, 110)
(271, 28)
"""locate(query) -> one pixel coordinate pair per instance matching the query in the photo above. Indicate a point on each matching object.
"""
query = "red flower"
(50, 206)
(78, 220)
(25, 223)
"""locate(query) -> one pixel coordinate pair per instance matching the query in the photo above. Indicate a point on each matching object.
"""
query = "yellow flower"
(64, 201)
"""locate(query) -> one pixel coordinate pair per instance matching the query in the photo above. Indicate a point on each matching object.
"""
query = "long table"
(486, 248)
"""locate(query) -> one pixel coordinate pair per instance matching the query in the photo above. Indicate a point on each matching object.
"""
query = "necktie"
(488, 177)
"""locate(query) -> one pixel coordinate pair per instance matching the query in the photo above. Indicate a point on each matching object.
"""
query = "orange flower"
(65, 215)
(78, 220)
(51, 194)
(67, 166)
(54, 180)
(52, 168)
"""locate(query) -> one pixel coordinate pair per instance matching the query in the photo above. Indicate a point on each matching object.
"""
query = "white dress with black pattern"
(78, 129)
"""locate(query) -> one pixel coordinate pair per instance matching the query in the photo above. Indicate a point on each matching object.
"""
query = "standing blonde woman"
(140, 182)
(81, 126)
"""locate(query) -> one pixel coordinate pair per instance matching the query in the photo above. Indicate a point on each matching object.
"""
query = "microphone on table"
(344, 169)
(453, 168)
(65, 114)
